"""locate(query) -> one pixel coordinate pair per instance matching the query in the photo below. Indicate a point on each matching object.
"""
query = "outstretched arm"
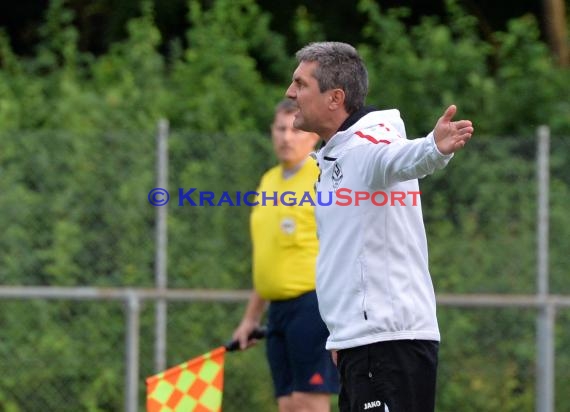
(451, 136)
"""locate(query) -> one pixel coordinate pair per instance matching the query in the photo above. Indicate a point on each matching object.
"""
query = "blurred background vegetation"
(82, 87)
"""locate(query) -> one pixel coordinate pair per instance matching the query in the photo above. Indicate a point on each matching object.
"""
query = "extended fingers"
(463, 132)
(463, 136)
(463, 128)
(461, 124)
(452, 135)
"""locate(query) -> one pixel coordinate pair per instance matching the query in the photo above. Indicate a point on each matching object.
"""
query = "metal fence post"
(545, 318)
(161, 277)
(132, 352)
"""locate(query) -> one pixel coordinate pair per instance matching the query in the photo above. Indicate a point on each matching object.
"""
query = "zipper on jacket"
(363, 282)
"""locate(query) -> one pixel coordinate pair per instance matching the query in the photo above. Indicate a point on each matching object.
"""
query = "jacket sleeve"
(388, 158)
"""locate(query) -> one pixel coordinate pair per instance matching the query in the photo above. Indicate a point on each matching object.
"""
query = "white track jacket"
(373, 282)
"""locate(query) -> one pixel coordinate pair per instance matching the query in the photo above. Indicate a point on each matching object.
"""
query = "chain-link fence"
(76, 212)
(103, 350)
(80, 355)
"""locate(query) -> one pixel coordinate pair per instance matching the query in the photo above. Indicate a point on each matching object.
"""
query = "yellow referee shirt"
(284, 237)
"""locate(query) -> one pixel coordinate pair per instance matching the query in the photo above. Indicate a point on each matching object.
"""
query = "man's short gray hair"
(339, 67)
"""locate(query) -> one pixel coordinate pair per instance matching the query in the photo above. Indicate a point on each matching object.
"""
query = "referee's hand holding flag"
(245, 337)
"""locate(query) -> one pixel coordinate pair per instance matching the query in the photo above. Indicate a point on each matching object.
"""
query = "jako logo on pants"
(374, 405)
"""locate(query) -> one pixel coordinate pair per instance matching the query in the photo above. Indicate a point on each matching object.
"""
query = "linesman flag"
(193, 386)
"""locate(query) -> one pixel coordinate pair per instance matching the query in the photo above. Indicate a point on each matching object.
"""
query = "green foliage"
(422, 69)
(218, 87)
(69, 193)
(210, 246)
(307, 27)
(130, 79)
(77, 134)
(496, 376)
(234, 64)
(490, 208)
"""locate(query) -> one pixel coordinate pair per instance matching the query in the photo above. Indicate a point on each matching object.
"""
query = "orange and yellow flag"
(193, 386)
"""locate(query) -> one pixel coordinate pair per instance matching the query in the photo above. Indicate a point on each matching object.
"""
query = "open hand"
(451, 136)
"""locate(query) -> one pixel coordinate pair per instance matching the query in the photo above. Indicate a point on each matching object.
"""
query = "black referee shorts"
(391, 376)
(295, 344)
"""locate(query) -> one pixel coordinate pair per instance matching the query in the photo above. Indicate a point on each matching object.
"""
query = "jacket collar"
(354, 117)
(349, 121)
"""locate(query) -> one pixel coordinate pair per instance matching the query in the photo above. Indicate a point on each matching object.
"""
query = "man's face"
(313, 105)
(291, 145)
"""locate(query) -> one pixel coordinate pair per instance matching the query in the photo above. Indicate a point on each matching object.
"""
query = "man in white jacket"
(373, 283)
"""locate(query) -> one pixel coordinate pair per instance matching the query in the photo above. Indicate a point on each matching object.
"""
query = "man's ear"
(336, 98)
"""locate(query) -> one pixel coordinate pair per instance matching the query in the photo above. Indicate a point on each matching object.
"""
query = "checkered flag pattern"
(195, 385)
